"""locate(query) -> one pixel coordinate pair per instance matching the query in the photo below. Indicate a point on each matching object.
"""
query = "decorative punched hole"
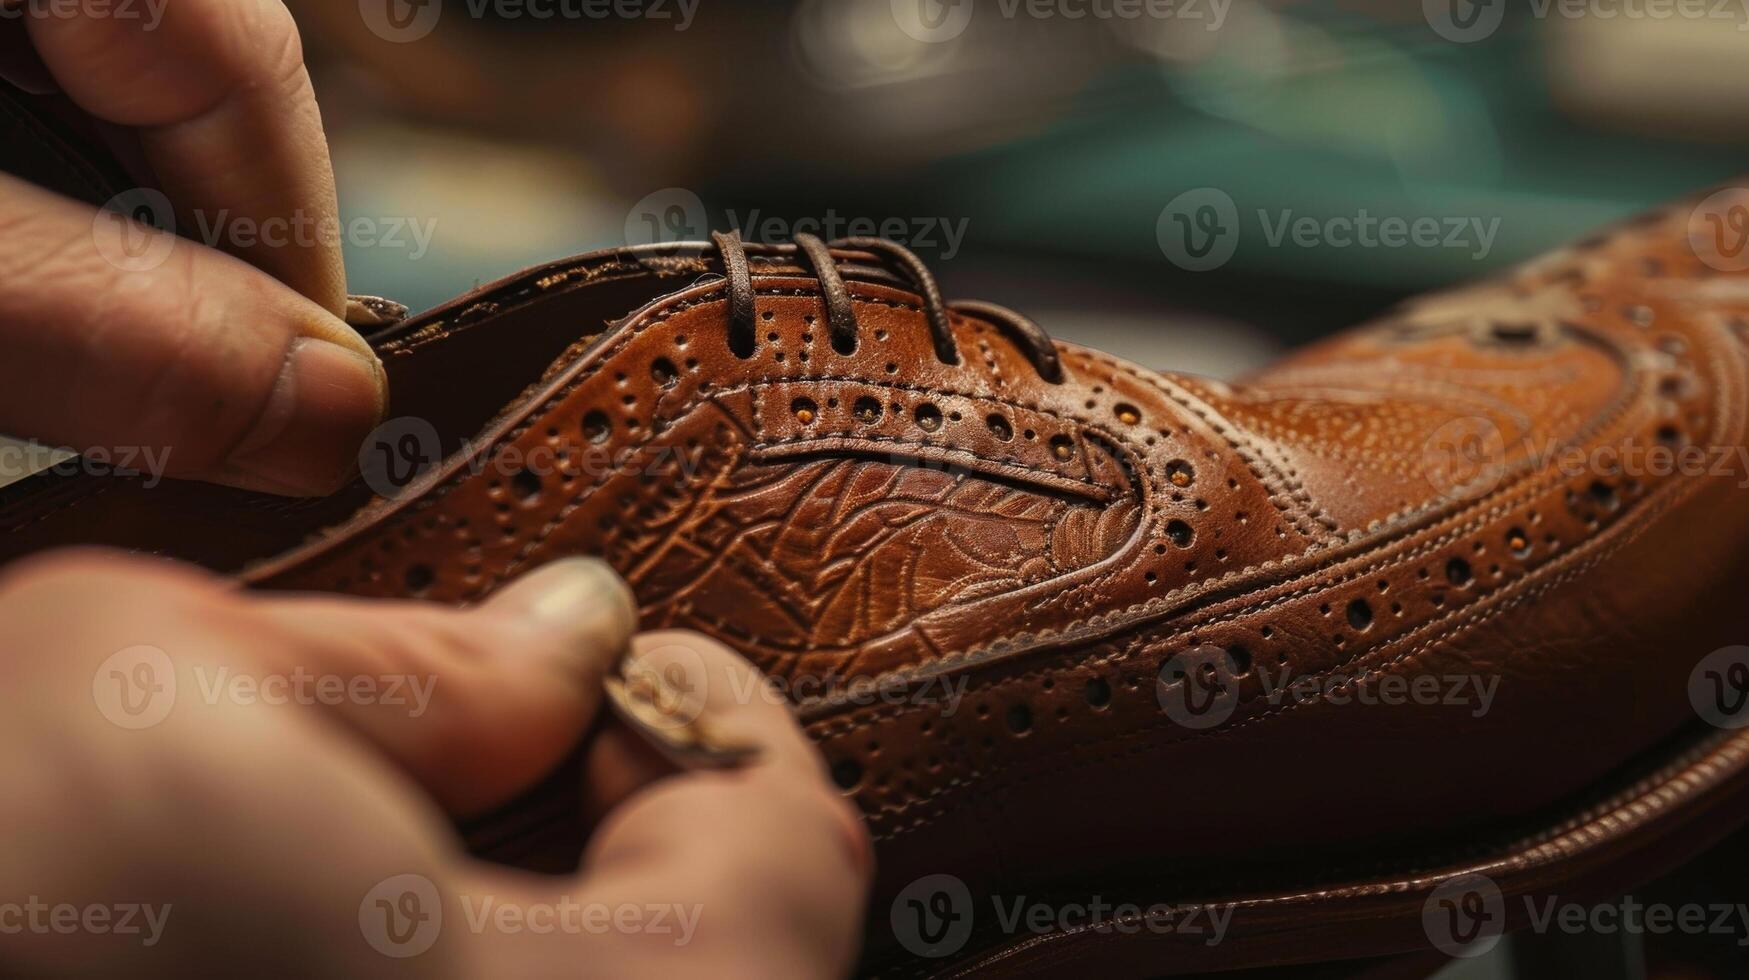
(596, 427)
(1669, 435)
(1062, 447)
(1518, 543)
(1126, 413)
(847, 774)
(1098, 692)
(663, 372)
(1180, 533)
(1240, 658)
(928, 417)
(526, 484)
(420, 577)
(1457, 572)
(866, 410)
(804, 410)
(1180, 473)
(1360, 615)
(1515, 333)
(1603, 495)
(1019, 719)
(1000, 428)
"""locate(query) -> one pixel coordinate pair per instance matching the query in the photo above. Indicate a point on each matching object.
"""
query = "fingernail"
(583, 599)
(305, 443)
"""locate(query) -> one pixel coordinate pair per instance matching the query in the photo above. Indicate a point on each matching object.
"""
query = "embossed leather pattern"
(1061, 558)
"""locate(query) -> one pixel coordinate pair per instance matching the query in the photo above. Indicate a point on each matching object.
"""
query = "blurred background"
(1039, 153)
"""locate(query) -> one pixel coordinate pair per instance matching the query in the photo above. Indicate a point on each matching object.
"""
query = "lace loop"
(743, 332)
(840, 314)
(1031, 339)
(924, 280)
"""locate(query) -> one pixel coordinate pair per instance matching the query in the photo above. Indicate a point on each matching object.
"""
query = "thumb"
(172, 357)
(477, 704)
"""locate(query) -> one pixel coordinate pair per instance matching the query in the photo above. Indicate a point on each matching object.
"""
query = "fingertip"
(324, 402)
(582, 603)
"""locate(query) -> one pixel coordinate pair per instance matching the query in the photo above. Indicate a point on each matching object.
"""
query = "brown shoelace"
(841, 315)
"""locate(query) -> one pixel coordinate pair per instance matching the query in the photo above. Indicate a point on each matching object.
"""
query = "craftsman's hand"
(234, 368)
(200, 781)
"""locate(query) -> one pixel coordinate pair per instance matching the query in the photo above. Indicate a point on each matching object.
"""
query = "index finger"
(226, 116)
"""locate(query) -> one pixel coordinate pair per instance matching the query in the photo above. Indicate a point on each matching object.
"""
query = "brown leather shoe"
(1423, 600)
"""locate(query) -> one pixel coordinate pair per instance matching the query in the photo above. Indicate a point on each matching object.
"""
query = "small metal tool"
(657, 709)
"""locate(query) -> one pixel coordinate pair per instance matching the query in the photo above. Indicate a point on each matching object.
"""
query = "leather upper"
(1008, 608)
